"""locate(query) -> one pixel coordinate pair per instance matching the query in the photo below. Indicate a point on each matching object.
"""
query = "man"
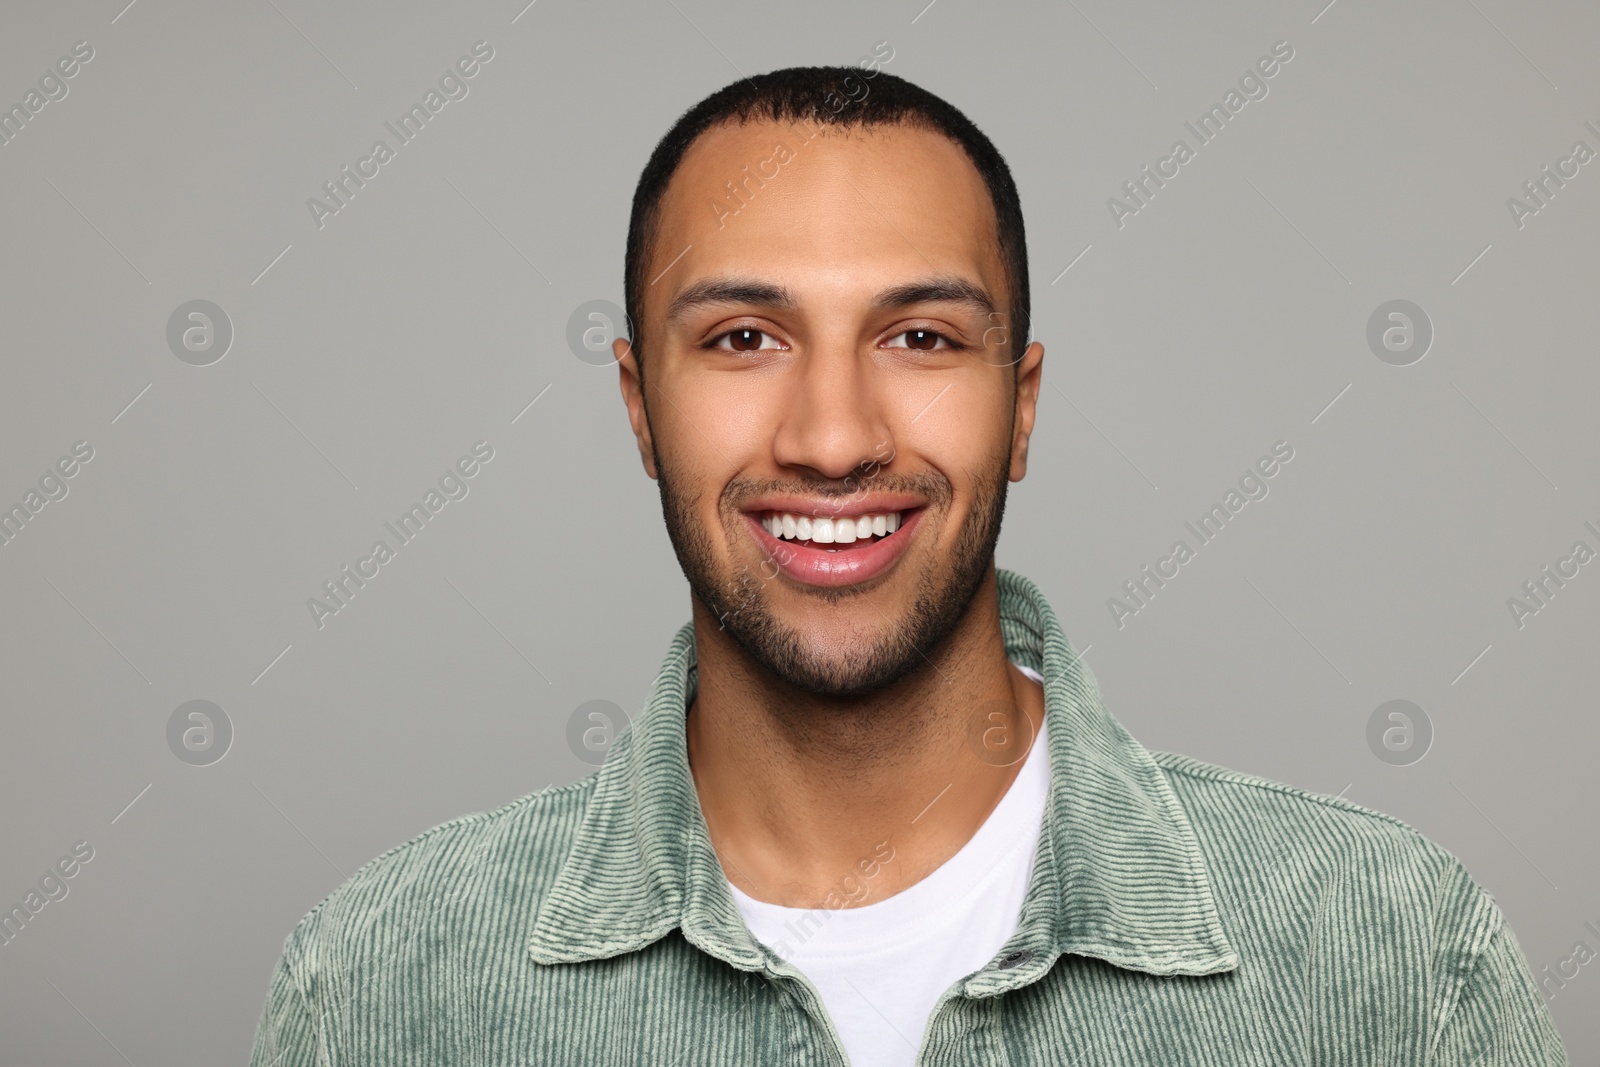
(874, 812)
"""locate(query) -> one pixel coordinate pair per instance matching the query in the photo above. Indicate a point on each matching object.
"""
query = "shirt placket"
(969, 1009)
(950, 1027)
(812, 1015)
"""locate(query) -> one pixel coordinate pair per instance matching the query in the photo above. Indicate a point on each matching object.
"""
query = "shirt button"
(1015, 959)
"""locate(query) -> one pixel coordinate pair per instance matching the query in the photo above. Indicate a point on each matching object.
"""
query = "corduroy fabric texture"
(1179, 913)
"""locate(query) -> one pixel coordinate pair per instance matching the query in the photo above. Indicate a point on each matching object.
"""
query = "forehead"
(811, 206)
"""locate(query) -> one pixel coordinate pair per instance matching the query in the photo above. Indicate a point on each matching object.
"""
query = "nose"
(834, 422)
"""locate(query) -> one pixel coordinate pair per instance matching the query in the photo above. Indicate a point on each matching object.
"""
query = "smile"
(827, 531)
(833, 550)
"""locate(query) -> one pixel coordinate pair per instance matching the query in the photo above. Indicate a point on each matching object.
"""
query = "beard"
(737, 596)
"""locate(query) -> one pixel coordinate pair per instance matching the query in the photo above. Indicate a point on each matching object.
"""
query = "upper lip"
(875, 503)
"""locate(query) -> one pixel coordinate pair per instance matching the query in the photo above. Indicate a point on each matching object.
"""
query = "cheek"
(961, 431)
(711, 428)
(724, 414)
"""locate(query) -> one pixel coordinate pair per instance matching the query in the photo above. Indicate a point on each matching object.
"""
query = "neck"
(807, 797)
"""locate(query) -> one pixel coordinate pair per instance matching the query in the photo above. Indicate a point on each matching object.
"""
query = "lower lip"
(846, 566)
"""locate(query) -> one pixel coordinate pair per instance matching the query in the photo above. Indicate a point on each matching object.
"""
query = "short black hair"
(831, 96)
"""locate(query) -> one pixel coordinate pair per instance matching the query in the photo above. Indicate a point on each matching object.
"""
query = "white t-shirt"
(882, 967)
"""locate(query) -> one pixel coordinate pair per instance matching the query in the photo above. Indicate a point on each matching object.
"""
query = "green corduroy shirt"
(1178, 913)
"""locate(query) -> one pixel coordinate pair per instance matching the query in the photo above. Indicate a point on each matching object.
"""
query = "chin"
(820, 663)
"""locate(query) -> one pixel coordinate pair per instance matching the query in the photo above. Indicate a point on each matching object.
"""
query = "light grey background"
(371, 353)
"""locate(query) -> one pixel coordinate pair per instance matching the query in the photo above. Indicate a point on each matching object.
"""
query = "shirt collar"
(1119, 874)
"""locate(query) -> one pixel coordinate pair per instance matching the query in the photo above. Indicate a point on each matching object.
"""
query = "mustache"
(933, 487)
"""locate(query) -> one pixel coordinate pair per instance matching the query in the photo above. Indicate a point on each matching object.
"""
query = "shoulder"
(1222, 800)
(490, 864)
(1267, 843)
(1353, 898)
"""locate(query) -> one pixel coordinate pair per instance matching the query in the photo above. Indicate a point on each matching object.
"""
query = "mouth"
(833, 550)
(831, 533)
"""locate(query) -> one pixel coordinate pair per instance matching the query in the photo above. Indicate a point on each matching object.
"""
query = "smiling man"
(874, 811)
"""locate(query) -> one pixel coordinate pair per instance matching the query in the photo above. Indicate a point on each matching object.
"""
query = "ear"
(1029, 374)
(632, 382)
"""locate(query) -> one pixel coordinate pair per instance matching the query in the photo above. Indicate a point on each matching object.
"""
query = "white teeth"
(827, 530)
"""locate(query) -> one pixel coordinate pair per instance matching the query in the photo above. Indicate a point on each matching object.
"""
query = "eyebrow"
(729, 291)
(936, 291)
(947, 290)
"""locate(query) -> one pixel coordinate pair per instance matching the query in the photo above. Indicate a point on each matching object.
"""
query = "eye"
(920, 341)
(745, 339)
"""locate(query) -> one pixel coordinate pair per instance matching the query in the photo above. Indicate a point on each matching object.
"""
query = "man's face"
(827, 354)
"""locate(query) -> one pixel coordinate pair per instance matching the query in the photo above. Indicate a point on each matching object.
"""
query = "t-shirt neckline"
(985, 858)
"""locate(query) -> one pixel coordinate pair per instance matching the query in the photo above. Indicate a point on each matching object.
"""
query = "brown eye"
(745, 339)
(919, 340)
